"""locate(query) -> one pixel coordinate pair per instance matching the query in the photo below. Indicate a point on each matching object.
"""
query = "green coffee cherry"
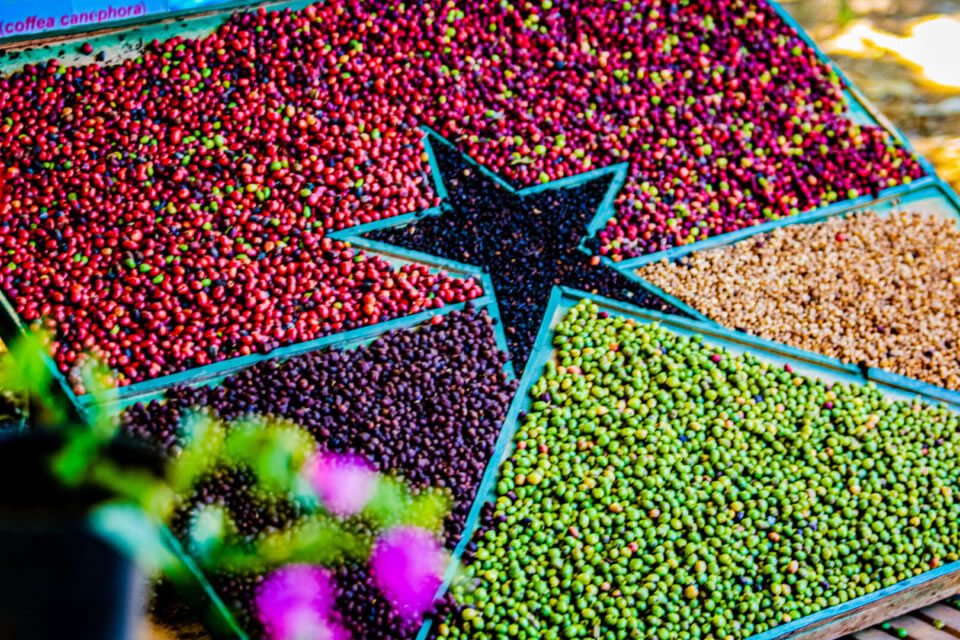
(662, 488)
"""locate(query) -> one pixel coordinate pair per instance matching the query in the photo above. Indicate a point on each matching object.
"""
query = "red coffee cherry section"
(170, 210)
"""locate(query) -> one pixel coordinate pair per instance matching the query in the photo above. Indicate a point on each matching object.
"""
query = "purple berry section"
(425, 405)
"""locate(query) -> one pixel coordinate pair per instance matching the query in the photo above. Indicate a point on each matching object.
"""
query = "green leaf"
(209, 529)
(427, 511)
(319, 539)
(132, 532)
(101, 419)
(26, 370)
(205, 446)
(138, 486)
(388, 503)
(71, 463)
(275, 452)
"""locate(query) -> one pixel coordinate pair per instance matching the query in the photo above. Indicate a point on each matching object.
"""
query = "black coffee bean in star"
(527, 244)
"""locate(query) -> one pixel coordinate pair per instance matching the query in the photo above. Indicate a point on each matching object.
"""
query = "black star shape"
(527, 243)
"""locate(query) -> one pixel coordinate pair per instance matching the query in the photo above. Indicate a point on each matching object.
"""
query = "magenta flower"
(345, 483)
(295, 603)
(407, 564)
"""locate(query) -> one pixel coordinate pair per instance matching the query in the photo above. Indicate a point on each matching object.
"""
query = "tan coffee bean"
(879, 290)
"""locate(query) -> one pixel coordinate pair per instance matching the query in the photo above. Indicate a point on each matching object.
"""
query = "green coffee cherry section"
(661, 488)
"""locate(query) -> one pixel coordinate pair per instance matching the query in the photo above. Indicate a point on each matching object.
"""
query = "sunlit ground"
(905, 56)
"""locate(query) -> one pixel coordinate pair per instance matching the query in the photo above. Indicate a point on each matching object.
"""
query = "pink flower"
(407, 564)
(294, 604)
(345, 483)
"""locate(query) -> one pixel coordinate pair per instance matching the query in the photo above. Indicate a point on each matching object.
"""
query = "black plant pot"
(58, 578)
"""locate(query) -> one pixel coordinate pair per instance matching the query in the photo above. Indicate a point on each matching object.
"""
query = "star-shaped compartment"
(528, 240)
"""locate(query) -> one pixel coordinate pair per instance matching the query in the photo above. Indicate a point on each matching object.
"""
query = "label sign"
(21, 17)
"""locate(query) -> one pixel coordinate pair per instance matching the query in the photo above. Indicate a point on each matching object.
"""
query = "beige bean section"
(881, 291)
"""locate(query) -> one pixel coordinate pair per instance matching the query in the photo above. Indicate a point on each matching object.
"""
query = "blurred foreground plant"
(331, 490)
(13, 406)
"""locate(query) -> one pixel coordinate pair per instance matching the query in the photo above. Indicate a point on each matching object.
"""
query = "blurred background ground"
(905, 56)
